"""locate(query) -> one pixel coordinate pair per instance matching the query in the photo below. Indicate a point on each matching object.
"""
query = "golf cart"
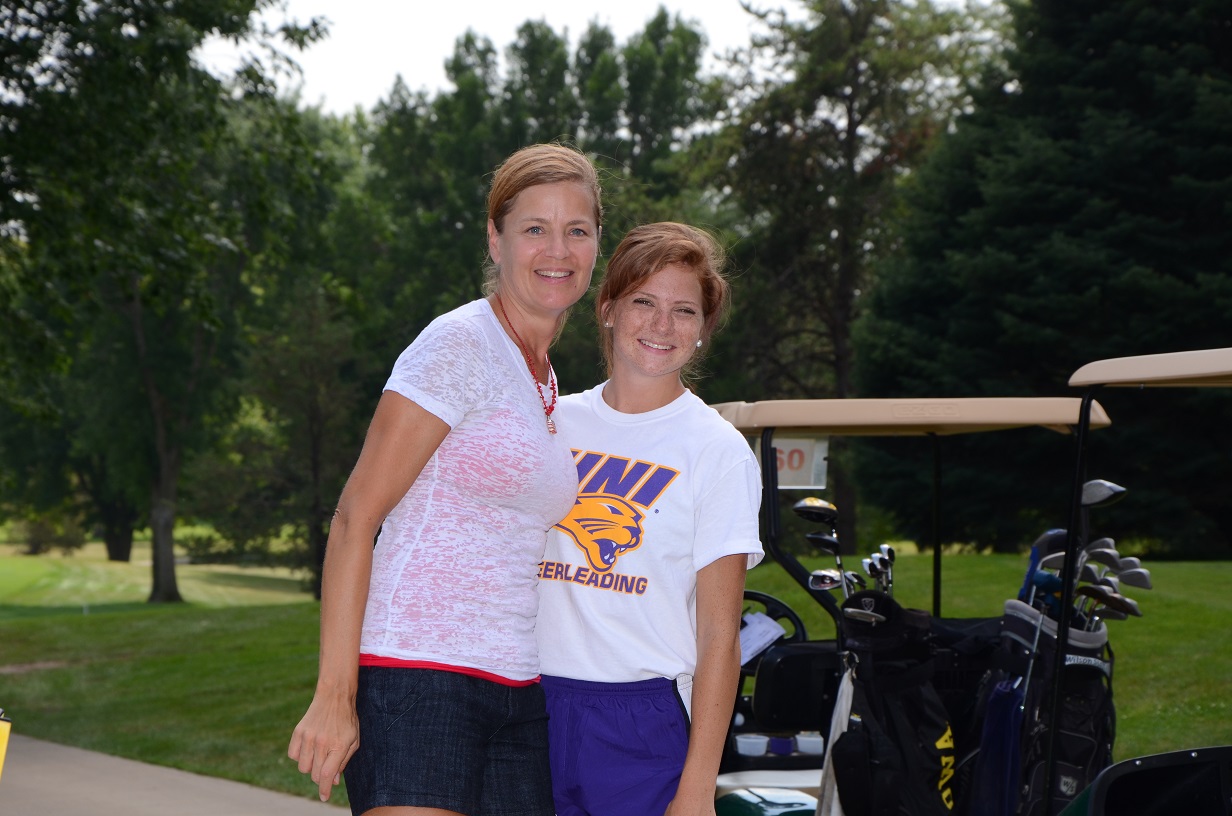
(796, 680)
(1192, 781)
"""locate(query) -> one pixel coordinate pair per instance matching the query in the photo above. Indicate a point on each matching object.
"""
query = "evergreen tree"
(1081, 211)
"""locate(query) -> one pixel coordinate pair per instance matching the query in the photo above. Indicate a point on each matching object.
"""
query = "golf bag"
(966, 654)
(1010, 778)
(896, 754)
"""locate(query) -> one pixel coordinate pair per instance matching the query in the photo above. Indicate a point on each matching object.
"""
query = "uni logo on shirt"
(606, 521)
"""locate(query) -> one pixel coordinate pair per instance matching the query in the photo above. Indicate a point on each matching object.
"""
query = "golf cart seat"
(795, 686)
(1191, 781)
(794, 689)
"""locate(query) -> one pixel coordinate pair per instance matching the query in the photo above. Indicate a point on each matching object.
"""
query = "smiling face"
(656, 326)
(546, 248)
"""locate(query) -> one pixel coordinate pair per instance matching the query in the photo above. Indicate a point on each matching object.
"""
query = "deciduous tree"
(832, 113)
(122, 188)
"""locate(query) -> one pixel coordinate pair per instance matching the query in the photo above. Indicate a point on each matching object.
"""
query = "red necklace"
(548, 408)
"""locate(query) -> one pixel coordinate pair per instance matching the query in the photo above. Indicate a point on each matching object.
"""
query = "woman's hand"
(325, 740)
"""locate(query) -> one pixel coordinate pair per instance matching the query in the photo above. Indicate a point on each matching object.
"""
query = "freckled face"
(655, 328)
(547, 250)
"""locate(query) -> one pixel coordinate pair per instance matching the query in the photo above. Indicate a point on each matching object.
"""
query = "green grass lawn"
(215, 685)
(212, 686)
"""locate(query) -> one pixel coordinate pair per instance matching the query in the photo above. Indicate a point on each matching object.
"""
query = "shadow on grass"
(264, 583)
(18, 611)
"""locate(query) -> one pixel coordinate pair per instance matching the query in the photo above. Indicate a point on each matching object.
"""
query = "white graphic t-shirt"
(661, 495)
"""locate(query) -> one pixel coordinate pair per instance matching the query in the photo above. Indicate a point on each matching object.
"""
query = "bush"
(42, 534)
(203, 545)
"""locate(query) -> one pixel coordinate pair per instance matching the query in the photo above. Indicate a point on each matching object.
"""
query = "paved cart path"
(47, 779)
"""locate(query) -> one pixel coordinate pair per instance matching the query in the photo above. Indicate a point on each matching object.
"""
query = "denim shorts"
(616, 748)
(441, 739)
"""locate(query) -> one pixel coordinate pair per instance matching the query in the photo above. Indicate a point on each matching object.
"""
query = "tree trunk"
(118, 519)
(119, 541)
(114, 512)
(162, 527)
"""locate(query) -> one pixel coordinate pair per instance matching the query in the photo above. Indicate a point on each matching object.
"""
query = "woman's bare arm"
(401, 439)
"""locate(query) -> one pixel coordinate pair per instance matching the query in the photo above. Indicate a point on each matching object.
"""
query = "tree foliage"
(1079, 212)
(303, 383)
(131, 216)
(628, 106)
(848, 101)
(833, 111)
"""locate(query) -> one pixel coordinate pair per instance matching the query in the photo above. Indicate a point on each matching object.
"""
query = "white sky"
(372, 41)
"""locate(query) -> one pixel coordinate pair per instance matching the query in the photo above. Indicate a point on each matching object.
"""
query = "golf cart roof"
(1209, 367)
(910, 417)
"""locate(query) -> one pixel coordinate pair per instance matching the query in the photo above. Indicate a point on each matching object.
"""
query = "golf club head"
(1131, 562)
(1100, 493)
(1097, 591)
(1126, 604)
(1100, 555)
(1104, 543)
(826, 580)
(1104, 613)
(864, 615)
(1052, 561)
(1106, 597)
(1087, 574)
(867, 563)
(855, 579)
(1109, 581)
(817, 511)
(1051, 541)
(823, 541)
(887, 551)
(1138, 578)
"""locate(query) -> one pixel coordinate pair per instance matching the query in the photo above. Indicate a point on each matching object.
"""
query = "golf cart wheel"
(781, 614)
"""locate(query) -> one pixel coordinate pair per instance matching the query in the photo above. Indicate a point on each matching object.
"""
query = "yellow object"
(5, 727)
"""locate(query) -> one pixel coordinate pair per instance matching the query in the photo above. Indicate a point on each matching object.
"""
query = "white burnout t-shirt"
(454, 570)
(661, 495)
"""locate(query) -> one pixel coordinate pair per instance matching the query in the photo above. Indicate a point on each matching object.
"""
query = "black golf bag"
(896, 754)
(1012, 768)
(966, 654)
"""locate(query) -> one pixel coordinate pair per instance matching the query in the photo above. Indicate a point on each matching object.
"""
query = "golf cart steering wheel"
(781, 614)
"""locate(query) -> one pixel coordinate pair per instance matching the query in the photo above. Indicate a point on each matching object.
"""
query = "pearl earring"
(699, 343)
(607, 325)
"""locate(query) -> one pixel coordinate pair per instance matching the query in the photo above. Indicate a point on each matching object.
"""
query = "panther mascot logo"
(604, 527)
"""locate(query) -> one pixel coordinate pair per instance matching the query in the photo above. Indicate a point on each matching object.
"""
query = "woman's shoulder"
(704, 412)
(720, 435)
(464, 331)
(457, 346)
(474, 319)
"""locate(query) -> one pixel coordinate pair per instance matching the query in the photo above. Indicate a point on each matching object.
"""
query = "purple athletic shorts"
(615, 748)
